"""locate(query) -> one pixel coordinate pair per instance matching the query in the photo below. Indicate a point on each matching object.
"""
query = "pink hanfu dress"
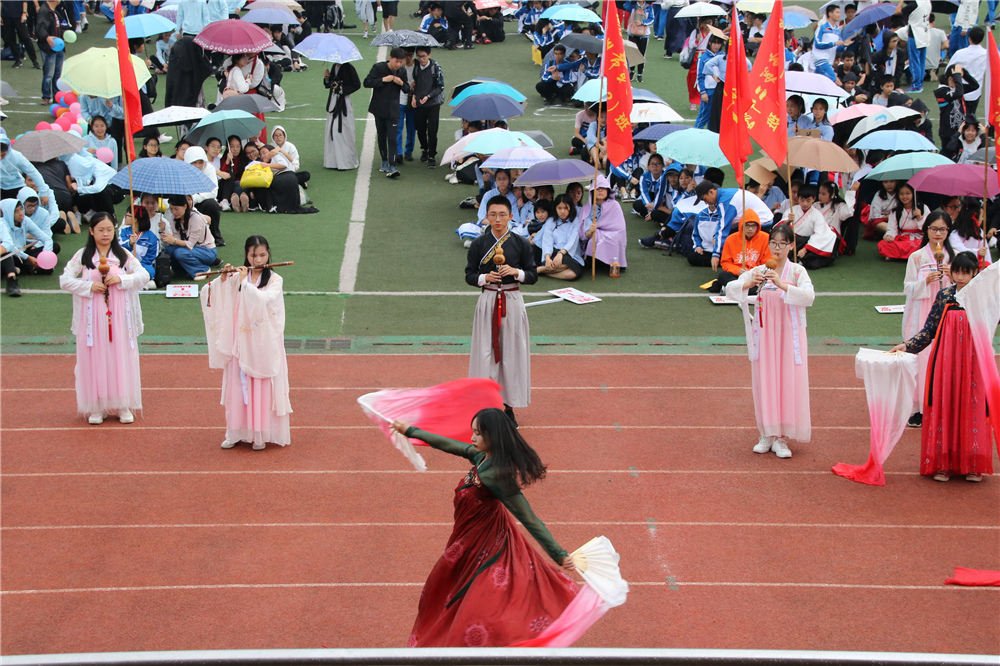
(919, 300)
(245, 327)
(107, 370)
(779, 351)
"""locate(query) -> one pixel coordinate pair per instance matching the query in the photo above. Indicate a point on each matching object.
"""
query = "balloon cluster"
(66, 112)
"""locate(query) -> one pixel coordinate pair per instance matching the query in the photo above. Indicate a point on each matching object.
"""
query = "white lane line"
(471, 292)
(362, 185)
(368, 427)
(563, 523)
(404, 388)
(252, 472)
(268, 586)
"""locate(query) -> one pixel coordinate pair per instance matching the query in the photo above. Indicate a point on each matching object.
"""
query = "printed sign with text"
(574, 296)
(182, 291)
(890, 309)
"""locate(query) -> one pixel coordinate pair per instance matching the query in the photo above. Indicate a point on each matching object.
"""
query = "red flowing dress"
(490, 588)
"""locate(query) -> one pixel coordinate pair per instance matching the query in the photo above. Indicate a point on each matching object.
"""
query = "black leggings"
(12, 263)
(641, 42)
(386, 129)
(427, 120)
(18, 31)
(210, 208)
(704, 259)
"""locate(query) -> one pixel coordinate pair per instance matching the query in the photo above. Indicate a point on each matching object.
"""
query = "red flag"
(734, 139)
(619, 108)
(766, 115)
(130, 89)
(994, 109)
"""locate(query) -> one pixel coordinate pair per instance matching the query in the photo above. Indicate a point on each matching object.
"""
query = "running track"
(150, 537)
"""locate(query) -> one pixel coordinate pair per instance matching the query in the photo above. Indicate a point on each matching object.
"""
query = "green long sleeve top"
(503, 488)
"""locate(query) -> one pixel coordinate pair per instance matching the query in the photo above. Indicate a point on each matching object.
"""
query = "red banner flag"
(734, 138)
(619, 107)
(994, 109)
(130, 89)
(766, 115)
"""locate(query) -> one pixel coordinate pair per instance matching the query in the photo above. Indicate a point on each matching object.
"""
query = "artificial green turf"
(409, 240)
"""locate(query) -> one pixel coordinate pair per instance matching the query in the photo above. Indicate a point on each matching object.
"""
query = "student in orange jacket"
(732, 261)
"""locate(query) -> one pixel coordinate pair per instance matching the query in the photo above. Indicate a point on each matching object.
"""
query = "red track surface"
(167, 542)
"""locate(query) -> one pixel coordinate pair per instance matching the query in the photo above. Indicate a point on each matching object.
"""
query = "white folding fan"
(597, 562)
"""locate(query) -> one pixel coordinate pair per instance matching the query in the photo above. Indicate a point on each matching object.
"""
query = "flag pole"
(129, 148)
(986, 176)
(791, 209)
(597, 161)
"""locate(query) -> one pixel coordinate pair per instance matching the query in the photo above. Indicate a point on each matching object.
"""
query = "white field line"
(672, 584)
(562, 523)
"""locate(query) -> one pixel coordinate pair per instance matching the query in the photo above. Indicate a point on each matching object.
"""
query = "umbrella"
(557, 172)
(95, 72)
(270, 16)
(854, 112)
(979, 156)
(699, 9)
(541, 138)
(577, 42)
(174, 115)
(328, 48)
(290, 4)
(894, 140)
(592, 90)
(471, 82)
(956, 180)
(795, 21)
(274, 4)
(693, 146)
(806, 83)
(144, 25)
(7, 90)
(632, 54)
(867, 16)
(489, 87)
(647, 112)
(223, 124)
(755, 6)
(45, 145)
(518, 157)
(168, 12)
(487, 107)
(487, 143)
(252, 103)
(906, 165)
(490, 4)
(808, 13)
(657, 132)
(570, 13)
(163, 176)
(811, 153)
(233, 36)
(404, 38)
(881, 120)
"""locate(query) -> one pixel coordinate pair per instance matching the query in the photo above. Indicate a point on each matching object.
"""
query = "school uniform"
(147, 246)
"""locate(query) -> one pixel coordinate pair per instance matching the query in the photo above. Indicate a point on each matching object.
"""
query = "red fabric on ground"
(974, 577)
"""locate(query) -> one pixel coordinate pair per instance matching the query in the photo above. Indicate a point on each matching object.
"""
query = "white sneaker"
(467, 243)
(258, 446)
(226, 444)
(225, 205)
(125, 416)
(780, 448)
(163, 138)
(365, 36)
(95, 419)
(150, 285)
(763, 444)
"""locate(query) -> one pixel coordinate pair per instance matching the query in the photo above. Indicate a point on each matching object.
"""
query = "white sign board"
(182, 291)
(890, 309)
(574, 296)
(722, 300)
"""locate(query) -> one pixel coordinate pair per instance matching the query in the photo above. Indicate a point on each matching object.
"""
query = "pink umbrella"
(957, 180)
(233, 36)
(854, 112)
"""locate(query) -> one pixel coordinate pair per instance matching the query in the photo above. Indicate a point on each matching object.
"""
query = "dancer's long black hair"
(91, 247)
(511, 455)
(253, 242)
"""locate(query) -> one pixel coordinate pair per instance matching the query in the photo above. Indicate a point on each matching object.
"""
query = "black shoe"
(915, 421)
(431, 161)
(35, 65)
(510, 415)
(220, 242)
(13, 288)
(408, 157)
(638, 78)
(451, 47)
(469, 46)
(347, 26)
(217, 262)
(17, 64)
(423, 155)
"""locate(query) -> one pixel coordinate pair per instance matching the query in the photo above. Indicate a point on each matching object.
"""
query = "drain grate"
(316, 344)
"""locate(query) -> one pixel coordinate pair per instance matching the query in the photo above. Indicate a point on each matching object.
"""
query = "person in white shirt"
(964, 20)
(918, 39)
(938, 42)
(973, 59)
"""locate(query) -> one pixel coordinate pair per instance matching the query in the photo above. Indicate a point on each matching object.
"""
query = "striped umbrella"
(163, 176)
(233, 36)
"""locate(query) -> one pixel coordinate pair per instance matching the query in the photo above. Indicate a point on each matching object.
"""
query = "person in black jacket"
(428, 96)
(15, 26)
(46, 32)
(461, 17)
(387, 80)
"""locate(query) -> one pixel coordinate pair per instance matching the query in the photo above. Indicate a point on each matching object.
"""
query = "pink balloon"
(105, 155)
(43, 126)
(55, 126)
(47, 260)
(59, 97)
(75, 107)
(82, 129)
(69, 98)
(63, 124)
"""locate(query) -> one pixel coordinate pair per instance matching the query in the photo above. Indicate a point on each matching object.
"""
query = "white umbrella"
(698, 9)
(174, 115)
(880, 120)
(806, 83)
(460, 147)
(518, 157)
(646, 112)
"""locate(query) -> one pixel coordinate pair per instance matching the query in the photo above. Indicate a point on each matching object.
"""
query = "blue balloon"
(58, 44)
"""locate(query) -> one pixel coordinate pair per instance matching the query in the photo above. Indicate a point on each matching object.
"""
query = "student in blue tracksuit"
(706, 86)
(137, 237)
(826, 42)
(652, 188)
(709, 228)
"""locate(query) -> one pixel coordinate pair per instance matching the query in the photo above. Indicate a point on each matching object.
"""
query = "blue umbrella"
(223, 124)
(328, 48)
(895, 140)
(159, 175)
(693, 146)
(573, 13)
(268, 16)
(144, 25)
(794, 20)
(867, 16)
(488, 88)
(588, 93)
(658, 131)
(488, 107)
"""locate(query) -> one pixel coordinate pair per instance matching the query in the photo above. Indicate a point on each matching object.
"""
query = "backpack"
(688, 54)
(161, 275)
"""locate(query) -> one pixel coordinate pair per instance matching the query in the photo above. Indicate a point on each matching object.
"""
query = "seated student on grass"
(46, 217)
(575, 193)
(91, 184)
(709, 232)
(966, 234)
(597, 142)
(602, 220)
(834, 208)
(561, 257)
(816, 243)
(98, 137)
(742, 251)
(434, 24)
(584, 118)
(685, 185)
(150, 147)
(137, 236)
(673, 176)
(904, 231)
(543, 212)
(653, 204)
(191, 247)
(523, 210)
(206, 202)
(21, 231)
(501, 188)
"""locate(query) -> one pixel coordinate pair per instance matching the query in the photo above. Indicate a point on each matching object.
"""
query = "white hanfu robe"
(245, 327)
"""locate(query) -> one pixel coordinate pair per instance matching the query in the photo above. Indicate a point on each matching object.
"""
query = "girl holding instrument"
(105, 281)
(244, 312)
(776, 337)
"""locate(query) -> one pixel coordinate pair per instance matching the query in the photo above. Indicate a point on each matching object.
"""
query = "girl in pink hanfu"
(608, 225)
(245, 325)
(902, 235)
(921, 285)
(107, 345)
(776, 337)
